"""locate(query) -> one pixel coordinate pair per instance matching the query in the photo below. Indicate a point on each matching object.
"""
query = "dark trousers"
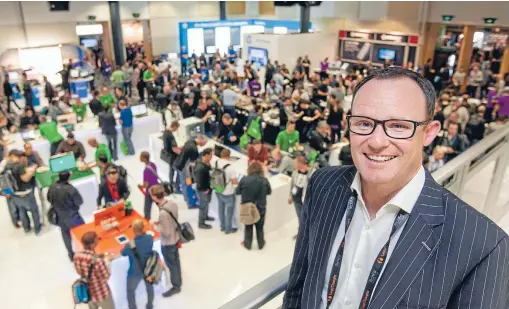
(335, 132)
(54, 147)
(297, 202)
(112, 145)
(172, 260)
(132, 284)
(141, 90)
(65, 228)
(248, 232)
(27, 204)
(174, 179)
(9, 100)
(148, 206)
(13, 211)
(204, 205)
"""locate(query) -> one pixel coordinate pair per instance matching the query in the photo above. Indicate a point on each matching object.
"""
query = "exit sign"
(447, 17)
(490, 20)
(91, 17)
(136, 15)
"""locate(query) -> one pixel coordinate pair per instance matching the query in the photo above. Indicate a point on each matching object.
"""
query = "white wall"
(466, 12)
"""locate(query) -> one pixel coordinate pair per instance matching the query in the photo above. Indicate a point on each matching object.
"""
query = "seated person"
(100, 149)
(80, 109)
(114, 189)
(436, 160)
(230, 131)
(453, 144)
(28, 120)
(54, 110)
(283, 163)
(319, 141)
(72, 145)
(257, 152)
(288, 140)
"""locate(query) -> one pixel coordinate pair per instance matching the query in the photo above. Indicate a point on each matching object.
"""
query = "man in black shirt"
(185, 161)
(23, 198)
(9, 94)
(66, 201)
(206, 115)
(202, 177)
(95, 105)
(187, 106)
(170, 151)
(319, 140)
(108, 124)
(230, 131)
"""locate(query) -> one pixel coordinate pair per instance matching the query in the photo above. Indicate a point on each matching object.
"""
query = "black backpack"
(7, 181)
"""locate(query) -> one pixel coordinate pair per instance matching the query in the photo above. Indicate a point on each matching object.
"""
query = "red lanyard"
(378, 264)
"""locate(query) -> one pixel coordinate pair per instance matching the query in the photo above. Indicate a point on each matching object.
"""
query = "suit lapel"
(417, 244)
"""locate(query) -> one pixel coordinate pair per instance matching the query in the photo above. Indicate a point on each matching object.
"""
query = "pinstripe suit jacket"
(463, 264)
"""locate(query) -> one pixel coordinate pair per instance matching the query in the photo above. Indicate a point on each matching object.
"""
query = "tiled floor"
(35, 272)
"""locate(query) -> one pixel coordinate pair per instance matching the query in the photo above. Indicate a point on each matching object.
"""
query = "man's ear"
(431, 131)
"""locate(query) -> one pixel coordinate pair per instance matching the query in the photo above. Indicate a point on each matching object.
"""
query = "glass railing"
(489, 155)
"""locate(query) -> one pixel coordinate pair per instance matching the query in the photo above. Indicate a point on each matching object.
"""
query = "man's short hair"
(227, 117)
(396, 73)
(157, 191)
(70, 135)
(225, 153)
(102, 158)
(322, 124)
(175, 124)
(138, 226)
(64, 176)
(207, 151)
(88, 239)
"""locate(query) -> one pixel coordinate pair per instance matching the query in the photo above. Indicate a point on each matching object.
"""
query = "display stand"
(80, 87)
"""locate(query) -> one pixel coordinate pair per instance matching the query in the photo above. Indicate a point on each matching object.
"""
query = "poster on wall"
(258, 56)
(355, 50)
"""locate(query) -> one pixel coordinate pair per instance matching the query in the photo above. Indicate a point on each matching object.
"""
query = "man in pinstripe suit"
(384, 234)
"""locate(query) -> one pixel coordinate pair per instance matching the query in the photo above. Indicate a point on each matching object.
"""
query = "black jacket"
(107, 123)
(95, 106)
(202, 176)
(66, 200)
(254, 189)
(104, 192)
(188, 153)
(318, 142)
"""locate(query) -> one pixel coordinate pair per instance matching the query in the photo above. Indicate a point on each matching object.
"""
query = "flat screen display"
(210, 49)
(386, 54)
(258, 56)
(89, 43)
(62, 163)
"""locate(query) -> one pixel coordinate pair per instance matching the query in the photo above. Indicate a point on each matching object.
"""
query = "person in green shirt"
(117, 77)
(49, 130)
(80, 109)
(148, 75)
(288, 139)
(100, 149)
(106, 98)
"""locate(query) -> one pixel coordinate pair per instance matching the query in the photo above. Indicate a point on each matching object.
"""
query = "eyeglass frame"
(382, 123)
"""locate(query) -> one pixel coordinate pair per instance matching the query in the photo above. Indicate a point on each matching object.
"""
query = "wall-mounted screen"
(210, 49)
(258, 56)
(386, 54)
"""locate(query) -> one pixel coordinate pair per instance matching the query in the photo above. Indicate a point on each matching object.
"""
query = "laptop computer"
(27, 135)
(139, 110)
(62, 163)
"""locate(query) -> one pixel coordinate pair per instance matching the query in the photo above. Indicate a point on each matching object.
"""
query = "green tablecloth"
(46, 179)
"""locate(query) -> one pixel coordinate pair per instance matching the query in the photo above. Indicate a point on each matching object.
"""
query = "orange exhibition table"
(114, 230)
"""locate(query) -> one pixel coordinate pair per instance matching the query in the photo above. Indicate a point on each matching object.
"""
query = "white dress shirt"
(364, 240)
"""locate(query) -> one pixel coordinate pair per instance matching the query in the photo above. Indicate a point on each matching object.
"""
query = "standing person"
(108, 127)
(66, 201)
(33, 156)
(49, 131)
(106, 98)
(9, 94)
(126, 120)
(80, 109)
(138, 251)
(254, 188)
(98, 284)
(117, 77)
(300, 176)
(202, 177)
(140, 85)
(23, 198)
(168, 229)
(149, 179)
(27, 91)
(226, 199)
(128, 76)
(392, 223)
(185, 161)
(170, 152)
(95, 104)
(49, 93)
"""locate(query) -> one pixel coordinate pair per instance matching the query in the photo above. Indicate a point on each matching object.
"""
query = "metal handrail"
(494, 146)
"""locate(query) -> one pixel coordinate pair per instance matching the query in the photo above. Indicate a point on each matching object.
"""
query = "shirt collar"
(405, 199)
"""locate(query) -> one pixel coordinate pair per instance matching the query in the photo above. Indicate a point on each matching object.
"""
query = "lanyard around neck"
(378, 264)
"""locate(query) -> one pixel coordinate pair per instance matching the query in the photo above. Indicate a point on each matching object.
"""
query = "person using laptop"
(126, 120)
(72, 145)
(100, 149)
(79, 109)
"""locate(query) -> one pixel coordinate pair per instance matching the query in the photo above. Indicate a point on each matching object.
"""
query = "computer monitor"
(386, 54)
(27, 135)
(62, 163)
(139, 110)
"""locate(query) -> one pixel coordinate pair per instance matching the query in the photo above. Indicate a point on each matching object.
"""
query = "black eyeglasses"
(393, 128)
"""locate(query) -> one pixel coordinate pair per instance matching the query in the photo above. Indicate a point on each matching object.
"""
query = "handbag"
(249, 214)
(166, 156)
(185, 229)
(168, 189)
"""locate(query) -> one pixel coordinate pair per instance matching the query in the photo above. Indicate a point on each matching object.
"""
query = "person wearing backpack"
(66, 201)
(9, 185)
(139, 250)
(224, 178)
(202, 177)
(170, 237)
(97, 276)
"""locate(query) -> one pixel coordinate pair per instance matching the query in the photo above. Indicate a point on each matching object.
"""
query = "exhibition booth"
(360, 46)
(209, 36)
